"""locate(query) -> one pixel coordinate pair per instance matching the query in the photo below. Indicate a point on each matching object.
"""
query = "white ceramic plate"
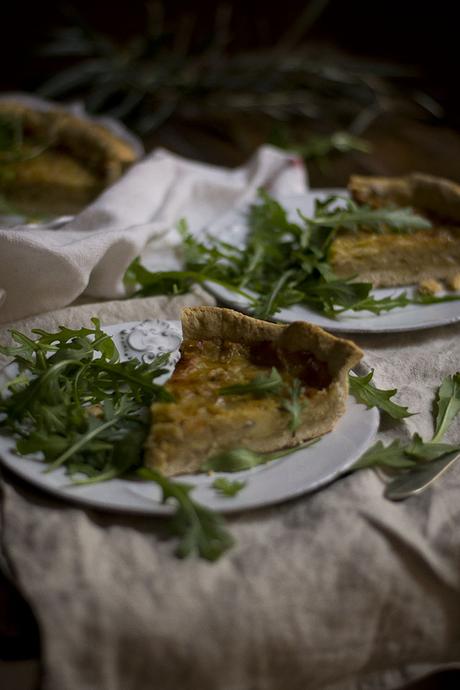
(232, 228)
(295, 474)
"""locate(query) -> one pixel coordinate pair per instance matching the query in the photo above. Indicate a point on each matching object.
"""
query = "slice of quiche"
(223, 348)
(388, 259)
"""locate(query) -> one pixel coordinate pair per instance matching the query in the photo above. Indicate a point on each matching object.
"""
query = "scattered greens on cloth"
(285, 263)
(201, 531)
(362, 388)
(414, 455)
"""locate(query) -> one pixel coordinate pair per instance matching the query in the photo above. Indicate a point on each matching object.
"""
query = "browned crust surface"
(216, 323)
(423, 192)
(179, 444)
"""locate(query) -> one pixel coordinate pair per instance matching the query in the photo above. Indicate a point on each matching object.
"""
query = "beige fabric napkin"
(44, 268)
(338, 590)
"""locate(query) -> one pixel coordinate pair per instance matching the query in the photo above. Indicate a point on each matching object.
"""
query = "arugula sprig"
(238, 459)
(367, 393)
(260, 385)
(290, 394)
(414, 455)
(447, 405)
(202, 532)
(354, 217)
(293, 403)
(400, 456)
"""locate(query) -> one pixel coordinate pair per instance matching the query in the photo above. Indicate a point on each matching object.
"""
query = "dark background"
(422, 34)
(406, 52)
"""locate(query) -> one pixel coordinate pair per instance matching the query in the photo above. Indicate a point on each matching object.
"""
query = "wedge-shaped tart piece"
(388, 259)
(222, 349)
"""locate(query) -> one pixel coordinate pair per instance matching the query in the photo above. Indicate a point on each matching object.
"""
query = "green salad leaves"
(260, 385)
(77, 403)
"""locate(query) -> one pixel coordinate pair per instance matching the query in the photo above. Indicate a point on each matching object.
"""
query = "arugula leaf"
(262, 384)
(269, 212)
(127, 450)
(238, 459)
(51, 445)
(274, 300)
(434, 299)
(377, 306)
(65, 376)
(364, 218)
(378, 455)
(294, 405)
(23, 352)
(334, 296)
(226, 487)
(403, 457)
(427, 451)
(159, 282)
(447, 404)
(137, 376)
(321, 146)
(16, 383)
(201, 531)
(367, 393)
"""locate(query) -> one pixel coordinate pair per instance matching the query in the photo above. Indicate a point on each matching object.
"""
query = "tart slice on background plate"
(390, 259)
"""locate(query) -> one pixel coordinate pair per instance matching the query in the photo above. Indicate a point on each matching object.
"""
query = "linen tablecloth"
(340, 589)
(337, 590)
